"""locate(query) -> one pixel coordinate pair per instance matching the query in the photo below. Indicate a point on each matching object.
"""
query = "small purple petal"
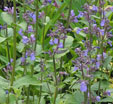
(98, 98)
(102, 32)
(85, 53)
(49, 1)
(55, 41)
(75, 19)
(108, 93)
(22, 59)
(72, 13)
(25, 39)
(78, 30)
(20, 32)
(80, 14)
(102, 22)
(75, 68)
(95, 8)
(32, 56)
(97, 65)
(83, 87)
(32, 38)
(110, 43)
(60, 45)
(51, 42)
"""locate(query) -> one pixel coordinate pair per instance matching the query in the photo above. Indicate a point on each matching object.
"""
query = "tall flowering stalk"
(14, 43)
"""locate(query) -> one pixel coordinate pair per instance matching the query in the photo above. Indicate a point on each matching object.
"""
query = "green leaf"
(108, 99)
(26, 81)
(38, 49)
(7, 18)
(3, 59)
(20, 47)
(107, 61)
(23, 25)
(3, 83)
(76, 98)
(2, 96)
(69, 41)
(62, 54)
(2, 39)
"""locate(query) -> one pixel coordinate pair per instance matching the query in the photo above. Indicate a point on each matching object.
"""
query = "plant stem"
(40, 89)
(68, 20)
(14, 41)
(28, 92)
(7, 45)
(36, 34)
(67, 25)
(56, 89)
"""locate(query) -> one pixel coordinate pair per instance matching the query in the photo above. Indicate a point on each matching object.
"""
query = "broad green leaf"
(76, 98)
(26, 81)
(4, 83)
(108, 99)
(38, 49)
(2, 96)
(107, 61)
(8, 18)
(20, 46)
(69, 41)
(2, 39)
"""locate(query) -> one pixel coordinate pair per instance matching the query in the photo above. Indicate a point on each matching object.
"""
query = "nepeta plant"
(56, 52)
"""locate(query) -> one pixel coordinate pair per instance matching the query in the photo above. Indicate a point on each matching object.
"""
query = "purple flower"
(75, 19)
(98, 98)
(95, 8)
(108, 93)
(72, 13)
(85, 53)
(104, 55)
(51, 42)
(20, 32)
(102, 22)
(0, 27)
(55, 41)
(60, 45)
(110, 43)
(80, 14)
(102, 31)
(34, 17)
(111, 8)
(49, 1)
(75, 68)
(32, 56)
(83, 87)
(41, 14)
(30, 28)
(32, 38)
(78, 30)
(22, 59)
(6, 91)
(25, 39)
(97, 65)
(98, 57)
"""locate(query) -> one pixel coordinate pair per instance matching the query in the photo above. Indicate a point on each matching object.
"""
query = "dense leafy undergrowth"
(56, 52)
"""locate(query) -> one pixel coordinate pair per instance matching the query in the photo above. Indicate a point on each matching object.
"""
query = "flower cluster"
(57, 36)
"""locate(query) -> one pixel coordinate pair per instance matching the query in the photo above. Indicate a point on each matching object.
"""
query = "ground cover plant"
(56, 52)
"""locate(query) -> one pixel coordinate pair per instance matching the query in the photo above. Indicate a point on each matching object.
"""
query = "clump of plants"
(56, 52)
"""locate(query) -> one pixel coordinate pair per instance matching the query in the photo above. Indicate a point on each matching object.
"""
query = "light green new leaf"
(2, 39)
(7, 18)
(69, 41)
